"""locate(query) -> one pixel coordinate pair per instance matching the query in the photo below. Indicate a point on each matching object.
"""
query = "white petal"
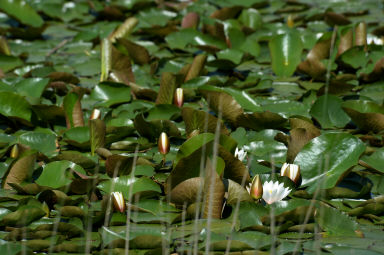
(283, 169)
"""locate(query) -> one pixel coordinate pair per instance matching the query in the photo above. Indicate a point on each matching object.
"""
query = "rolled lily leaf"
(73, 110)
(20, 170)
(97, 131)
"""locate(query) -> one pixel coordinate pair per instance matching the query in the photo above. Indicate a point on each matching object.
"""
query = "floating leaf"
(15, 106)
(58, 174)
(326, 158)
(42, 142)
(335, 222)
(109, 93)
(285, 53)
(22, 11)
(129, 186)
(328, 112)
(367, 115)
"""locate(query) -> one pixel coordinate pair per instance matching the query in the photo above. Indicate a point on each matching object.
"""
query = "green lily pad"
(129, 186)
(57, 174)
(326, 158)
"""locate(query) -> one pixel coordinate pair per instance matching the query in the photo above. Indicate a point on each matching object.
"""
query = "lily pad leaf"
(42, 142)
(78, 137)
(21, 10)
(110, 93)
(328, 112)
(326, 158)
(375, 160)
(286, 53)
(242, 97)
(129, 186)
(15, 106)
(335, 222)
(57, 174)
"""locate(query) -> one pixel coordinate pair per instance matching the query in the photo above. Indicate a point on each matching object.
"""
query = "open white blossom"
(274, 191)
(240, 154)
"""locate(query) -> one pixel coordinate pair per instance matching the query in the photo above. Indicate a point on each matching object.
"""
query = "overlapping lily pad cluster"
(139, 125)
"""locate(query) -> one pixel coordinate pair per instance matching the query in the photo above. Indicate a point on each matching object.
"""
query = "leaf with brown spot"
(225, 104)
(64, 77)
(313, 65)
(226, 13)
(49, 112)
(367, 115)
(189, 167)
(297, 139)
(201, 121)
(138, 53)
(188, 192)
(52, 197)
(152, 129)
(121, 68)
(332, 19)
(261, 120)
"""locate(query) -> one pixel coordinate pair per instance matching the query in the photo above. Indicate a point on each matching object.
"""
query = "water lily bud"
(14, 151)
(179, 97)
(290, 22)
(256, 188)
(96, 114)
(291, 171)
(163, 143)
(118, 201)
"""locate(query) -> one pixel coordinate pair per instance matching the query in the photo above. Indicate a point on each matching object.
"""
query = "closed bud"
(118, 201)
(96, 114)
(15, 151)
(290, 22)
(291, 171)
(163, 143)
(256, 190)
(178, 99)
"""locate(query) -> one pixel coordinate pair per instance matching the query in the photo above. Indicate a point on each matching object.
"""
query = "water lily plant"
(274, 191)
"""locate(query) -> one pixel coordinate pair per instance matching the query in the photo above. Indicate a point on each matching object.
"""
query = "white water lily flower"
(291, 171)
(240, 154)
(274, 191)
